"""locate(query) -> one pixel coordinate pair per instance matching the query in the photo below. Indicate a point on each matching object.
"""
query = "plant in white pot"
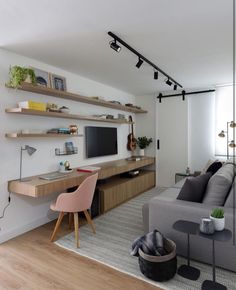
(143, 142)
(19, 74)
(218, 218)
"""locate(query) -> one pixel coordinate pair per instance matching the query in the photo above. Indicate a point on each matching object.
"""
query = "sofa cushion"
(219, 185)
(230, 198)
(214, 167)
(194, 188)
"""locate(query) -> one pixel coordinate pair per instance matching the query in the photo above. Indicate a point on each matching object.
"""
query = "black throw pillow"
(214, 167)
(194, 188)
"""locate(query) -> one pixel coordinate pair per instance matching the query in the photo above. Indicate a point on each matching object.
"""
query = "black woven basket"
(159, 268)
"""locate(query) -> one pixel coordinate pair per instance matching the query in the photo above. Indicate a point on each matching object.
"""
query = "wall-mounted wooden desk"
(37, 187)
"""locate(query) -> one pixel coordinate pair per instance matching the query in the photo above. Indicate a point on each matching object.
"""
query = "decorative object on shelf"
(19, 74)
(115, 102)
(121, 116)
(102, 116)
(64, 167)
(207, 226)
(131, 144)
(187, 171)
(218, 218)
(30, 150)
(58, 82)
(109, 117)
(223, 133)
(73, 129)
(59, 152)
(59, 131)
(64, 109)
(32, 105)
(42, 77)
(69, 147)
(143, 142)
(51, 107)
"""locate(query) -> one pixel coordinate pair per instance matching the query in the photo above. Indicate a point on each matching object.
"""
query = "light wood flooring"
(31, 262)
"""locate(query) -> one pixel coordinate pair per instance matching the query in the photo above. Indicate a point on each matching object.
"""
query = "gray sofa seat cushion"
(194, 188)
(169, 194)
(230, 199)
(219, 185)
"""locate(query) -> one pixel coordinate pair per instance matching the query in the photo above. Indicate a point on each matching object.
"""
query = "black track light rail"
(142, 57)
(185, 93)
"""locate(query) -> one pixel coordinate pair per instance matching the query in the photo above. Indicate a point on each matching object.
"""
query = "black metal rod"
(142, 57)
(189, 93)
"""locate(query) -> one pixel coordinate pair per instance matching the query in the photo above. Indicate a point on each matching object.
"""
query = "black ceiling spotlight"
(139, 63)
(160, 96)
(155, 75)
(168, 82)
(175, 87)
(183, 95)
(115, 46)
(141, 58)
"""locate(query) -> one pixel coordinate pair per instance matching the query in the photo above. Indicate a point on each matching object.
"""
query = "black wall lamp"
(141, 59)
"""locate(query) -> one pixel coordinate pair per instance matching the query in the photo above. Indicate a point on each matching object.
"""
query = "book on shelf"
(88, 168)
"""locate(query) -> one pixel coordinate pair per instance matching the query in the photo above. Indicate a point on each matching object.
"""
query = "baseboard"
(8, 235)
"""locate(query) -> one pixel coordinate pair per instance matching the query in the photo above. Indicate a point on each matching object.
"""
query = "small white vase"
(141, 152)
(219, 224)
(28, 79)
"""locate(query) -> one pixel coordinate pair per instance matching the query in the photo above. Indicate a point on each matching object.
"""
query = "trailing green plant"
(19, 74)
(217, 213)
(143, 142)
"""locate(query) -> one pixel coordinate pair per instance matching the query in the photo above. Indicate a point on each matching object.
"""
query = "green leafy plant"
(19, 74)
(143, 142)
(217, 213)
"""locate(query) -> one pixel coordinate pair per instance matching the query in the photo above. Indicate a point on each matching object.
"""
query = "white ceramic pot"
(28, 79)
(219, 224)
(141, 152)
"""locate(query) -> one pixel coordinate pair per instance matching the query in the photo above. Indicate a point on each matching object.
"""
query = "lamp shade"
(222, 134)
(30, 150)
(232, 144)
(232, 124)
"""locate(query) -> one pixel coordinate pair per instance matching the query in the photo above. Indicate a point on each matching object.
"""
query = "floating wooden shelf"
(75, 97)
(32, 135)
(22, 111)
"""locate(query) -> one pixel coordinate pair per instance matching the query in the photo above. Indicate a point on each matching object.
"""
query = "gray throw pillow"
(194, 188)
(219, 185)
(230, 199)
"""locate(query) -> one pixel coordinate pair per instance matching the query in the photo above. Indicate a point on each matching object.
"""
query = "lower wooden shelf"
(117, 189)
(32, 135)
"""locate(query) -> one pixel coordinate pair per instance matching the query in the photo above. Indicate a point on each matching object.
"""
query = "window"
(223, 114)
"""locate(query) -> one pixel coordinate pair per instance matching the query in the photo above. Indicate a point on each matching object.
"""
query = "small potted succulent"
(19, 74)
(218, 218)
(143, 142)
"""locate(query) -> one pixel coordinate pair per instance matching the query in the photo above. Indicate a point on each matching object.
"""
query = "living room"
(135, 98)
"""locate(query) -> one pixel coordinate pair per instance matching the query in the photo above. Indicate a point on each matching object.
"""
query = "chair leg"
(89, 220)
(76, 225)
(70, 220)
(59, 220)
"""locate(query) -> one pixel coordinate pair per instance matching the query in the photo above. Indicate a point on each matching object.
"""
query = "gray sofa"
(162, 211)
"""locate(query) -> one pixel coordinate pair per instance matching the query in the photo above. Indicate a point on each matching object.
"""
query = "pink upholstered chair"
(74, 202)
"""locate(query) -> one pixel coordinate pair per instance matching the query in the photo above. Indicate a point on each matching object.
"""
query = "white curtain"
(223, 114)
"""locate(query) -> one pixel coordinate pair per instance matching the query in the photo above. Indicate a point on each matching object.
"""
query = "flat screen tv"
(100, 141)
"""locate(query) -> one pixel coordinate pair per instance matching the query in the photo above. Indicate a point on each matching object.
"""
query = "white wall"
(25, 213)
(201, 110)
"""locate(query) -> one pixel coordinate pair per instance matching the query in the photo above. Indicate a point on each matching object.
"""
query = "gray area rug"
(116, 231)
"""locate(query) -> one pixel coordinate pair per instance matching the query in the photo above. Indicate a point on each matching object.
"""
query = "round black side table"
(223, 236)
(189, 228)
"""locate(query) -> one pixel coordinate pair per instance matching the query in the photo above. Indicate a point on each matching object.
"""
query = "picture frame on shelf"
(58, 82)
(42, 77)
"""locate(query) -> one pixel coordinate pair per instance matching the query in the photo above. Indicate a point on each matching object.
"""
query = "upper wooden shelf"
(22, 111)
(32, 135)
(75, 97)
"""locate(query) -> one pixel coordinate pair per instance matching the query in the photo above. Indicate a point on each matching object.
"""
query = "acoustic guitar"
(131, 144)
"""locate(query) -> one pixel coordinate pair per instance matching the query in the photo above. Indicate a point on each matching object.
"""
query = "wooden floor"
(31, 262)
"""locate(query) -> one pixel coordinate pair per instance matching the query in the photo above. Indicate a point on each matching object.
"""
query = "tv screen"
(100, 141)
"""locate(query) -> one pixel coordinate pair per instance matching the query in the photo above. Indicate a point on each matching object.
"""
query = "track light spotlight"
(160, 96)
(155, 75)
(139, 63)
(168, 82)
(115, 46)
(175, 87)
(183, 95)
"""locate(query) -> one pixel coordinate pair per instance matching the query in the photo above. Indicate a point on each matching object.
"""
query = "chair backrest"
(79, 200)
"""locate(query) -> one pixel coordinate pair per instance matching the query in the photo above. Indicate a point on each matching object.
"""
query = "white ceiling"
(191, 40)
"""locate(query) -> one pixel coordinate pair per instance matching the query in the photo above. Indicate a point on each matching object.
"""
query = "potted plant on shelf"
(143, 142)
(19, 74)
(218, 218)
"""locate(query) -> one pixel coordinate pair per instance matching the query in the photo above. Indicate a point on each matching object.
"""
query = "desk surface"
(37, 187)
